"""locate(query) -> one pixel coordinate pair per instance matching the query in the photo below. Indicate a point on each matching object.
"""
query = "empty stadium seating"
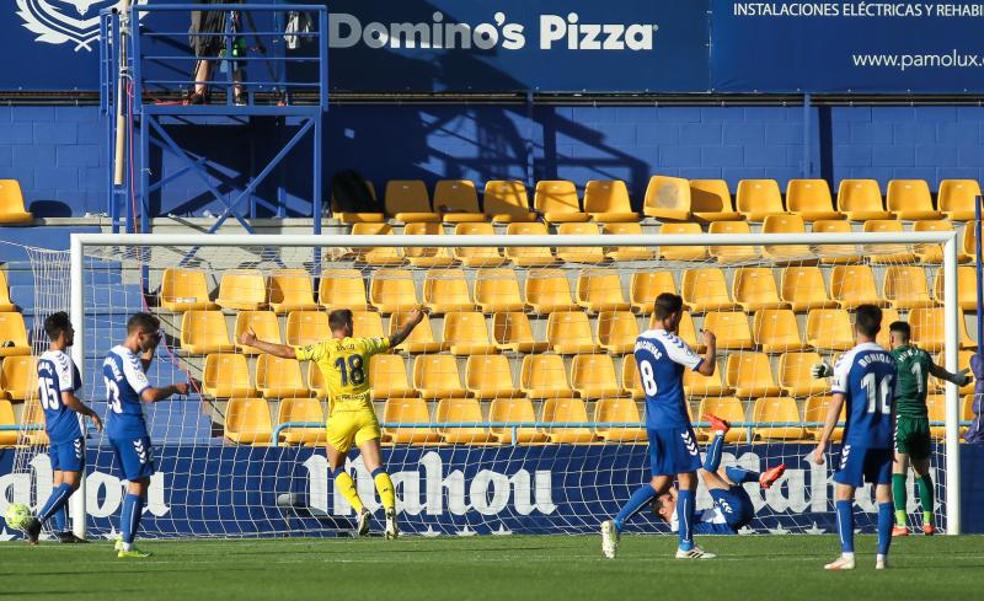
(627, 253)
(815, 411)
(731, 329)
(5, 302)
(18, 378)
(302, 410)
(795, 378)
(697, 385)
(810, 199)
(13, 335)
(928, 329)
(710, 200)
(421, 338)
(932, 253)
(544, 376)
(497, 290)
(667, 198)
(732, 253)
(512, 332)
(681, 253)
(910, 199)
(861, 200)
(785, 224)
(507, 201)
(278, 378)
(457, 201)
(529, 256)
(242, 290)
(427, 256)
(204, 332)
(754, 288)
(758, 198)
(727, 408)
(569, 332)
(446, 290)
(489, 377)
(888, 253)
(804, 289)
(854, 285)
(306, 327)
(407, 201)
(388, 375)
(607, 201)
(829, 329)
(227, 375)
(705, 290)
(290, 290)
(12, 208)
(566, 410)
(390, 291)
(750, 375)
(966, 287)
(617, 331)
(957, 198)
(776, 331)
(780, 411)
(477, 256)
(461, 411)
(618, 410)
(835, 254)
(181, 290)
(263, 323)
(408, 411)
(248, 421)
(379, 255)
(645, 286)
(354, 218)
(437, 377)
(598, 291)
(593, 376)
(548, 290)
(557, 201)
(516, 411)
(465, 333)
(906, 288)
(580, 254)
(629, 378)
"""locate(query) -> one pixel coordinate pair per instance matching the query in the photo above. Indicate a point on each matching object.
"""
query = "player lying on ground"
(127, 388)
(662, 356)
(344, 364)
(733, 509)
(64, 413)
(864, 379)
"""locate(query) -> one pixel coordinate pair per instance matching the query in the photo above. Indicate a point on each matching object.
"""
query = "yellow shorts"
(348, 427)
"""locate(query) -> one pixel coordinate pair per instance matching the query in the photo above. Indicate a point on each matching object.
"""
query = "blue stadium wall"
(59, 153)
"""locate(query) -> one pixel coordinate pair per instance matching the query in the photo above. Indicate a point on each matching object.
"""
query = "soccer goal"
(516, 406)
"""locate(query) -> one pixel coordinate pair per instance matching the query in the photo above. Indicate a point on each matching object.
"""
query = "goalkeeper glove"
(822, 370)
(962, 377)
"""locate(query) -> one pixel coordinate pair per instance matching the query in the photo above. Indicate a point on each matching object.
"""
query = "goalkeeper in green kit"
(912, 439)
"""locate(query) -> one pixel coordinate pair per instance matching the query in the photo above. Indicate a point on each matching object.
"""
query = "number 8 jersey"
(865, 375)
(344, 365)
(125, 381)
(57, 373)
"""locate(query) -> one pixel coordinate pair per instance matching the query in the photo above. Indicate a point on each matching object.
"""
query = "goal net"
(516, 407)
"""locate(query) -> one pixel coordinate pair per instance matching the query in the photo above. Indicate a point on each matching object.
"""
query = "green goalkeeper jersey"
(912, 369)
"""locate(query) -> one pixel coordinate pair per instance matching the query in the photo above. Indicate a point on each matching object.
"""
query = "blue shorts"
(859, 465)
(735, 505)
(68, 456)
(673, 451)
(134, 457)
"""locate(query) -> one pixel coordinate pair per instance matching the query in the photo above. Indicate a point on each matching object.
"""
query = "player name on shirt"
(645, 345)
(881, 357)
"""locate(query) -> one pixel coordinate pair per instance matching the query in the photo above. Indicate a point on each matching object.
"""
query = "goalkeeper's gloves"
(822, 370)
(962, 377)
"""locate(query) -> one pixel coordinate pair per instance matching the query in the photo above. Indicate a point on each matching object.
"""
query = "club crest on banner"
(65, 21)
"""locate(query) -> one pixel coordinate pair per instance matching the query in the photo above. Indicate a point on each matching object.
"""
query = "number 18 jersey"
(865, 375)
(344, 365)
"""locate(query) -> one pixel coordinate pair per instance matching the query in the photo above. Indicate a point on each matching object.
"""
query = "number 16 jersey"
(344, 365)
(865, 375)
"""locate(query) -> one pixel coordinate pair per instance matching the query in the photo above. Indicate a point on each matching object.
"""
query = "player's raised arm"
(248, 338)
(416, 316)
(707, 366)
(961, 378)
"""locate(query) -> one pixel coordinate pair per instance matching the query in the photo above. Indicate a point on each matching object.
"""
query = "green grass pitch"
(502, 568)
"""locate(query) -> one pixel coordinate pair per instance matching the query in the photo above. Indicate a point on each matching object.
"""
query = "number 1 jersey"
(57, 373)
(865, 375)
(125, 381)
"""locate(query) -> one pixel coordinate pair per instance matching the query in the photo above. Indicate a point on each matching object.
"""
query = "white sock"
(127, 546)
(847, 555)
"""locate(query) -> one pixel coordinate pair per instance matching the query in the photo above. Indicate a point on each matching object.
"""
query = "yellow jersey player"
(344, 364)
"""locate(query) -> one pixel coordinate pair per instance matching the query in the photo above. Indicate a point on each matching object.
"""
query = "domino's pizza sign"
(73, 23)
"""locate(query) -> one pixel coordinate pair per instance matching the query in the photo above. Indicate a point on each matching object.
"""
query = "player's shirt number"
(648, 379)
(113, 396)
(49, 396)
(917, 373)
(879, 393)
(352, 371)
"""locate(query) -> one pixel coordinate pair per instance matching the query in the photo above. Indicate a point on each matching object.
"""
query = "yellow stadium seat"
(911, 200)
(242, 290)
(804, 289)
(421, 338)
(966, 287)
(408, 411)
(705, 290)
(758, 198)
(227, 375)
(529, 256)
(861, 200)
(465, 333)
(697, 385)
(667, 198)
(547, 290)
(854, 285)
(710, 200)
(887, 253)
(598, 291)
(727, 408)
(436, 377)
(645, 286)
(557, 201)
(629, 378)
(681, 253)
(754, 288)
(928, 330)
(889, 316)
(515, 411)
(835, 254)
(957, 198)
(731, 329)
(580, 254)
(290, 290)
(12, 209)
(933, 253)
(462, 411)
(815, 411)
(302, 410)
(204, 332)
(906, 288)
(8, 438)
(446, 290)
(618, 410)
(427, 256)
(264, 323)
(607, 201)
(810, 199)
(750, 374)
(970, 243)
(617, 331)
(248, 421)
(795, 378)
(564, 410)
(19, 378)
(963, 362)
(477, 256)
(593, 376)
(457, 201)
(569, 332)
(732, 254)
(408, 201)
(512, 331)
(358, 217)
(307, 327)
(6, 305)
(776, 331)
(776, 410)
(489, 377)
(506, 201)
(379, 255)
(497, 290)
(33, 415)
(391, 291)
(829, 329)
(543, 376)
(278, 378)
(627, 253)
(316, 381)
(388, 376)
(181, 290)
(688, 333)
(13, 335)
(785, 224)
(936, 404)
(344, 289)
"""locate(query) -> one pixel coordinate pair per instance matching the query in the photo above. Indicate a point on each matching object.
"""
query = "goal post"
(317, 252)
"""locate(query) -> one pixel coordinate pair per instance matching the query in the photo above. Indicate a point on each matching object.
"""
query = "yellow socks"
(384, 486)
(345, 485)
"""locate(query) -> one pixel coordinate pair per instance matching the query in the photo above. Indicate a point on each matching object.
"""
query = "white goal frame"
(81, 242)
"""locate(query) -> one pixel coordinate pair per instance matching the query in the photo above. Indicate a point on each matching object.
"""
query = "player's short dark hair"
(339, 318)
(667, 304)
(901, 327)
(867, 319)
(145, 322)
(55, 324)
